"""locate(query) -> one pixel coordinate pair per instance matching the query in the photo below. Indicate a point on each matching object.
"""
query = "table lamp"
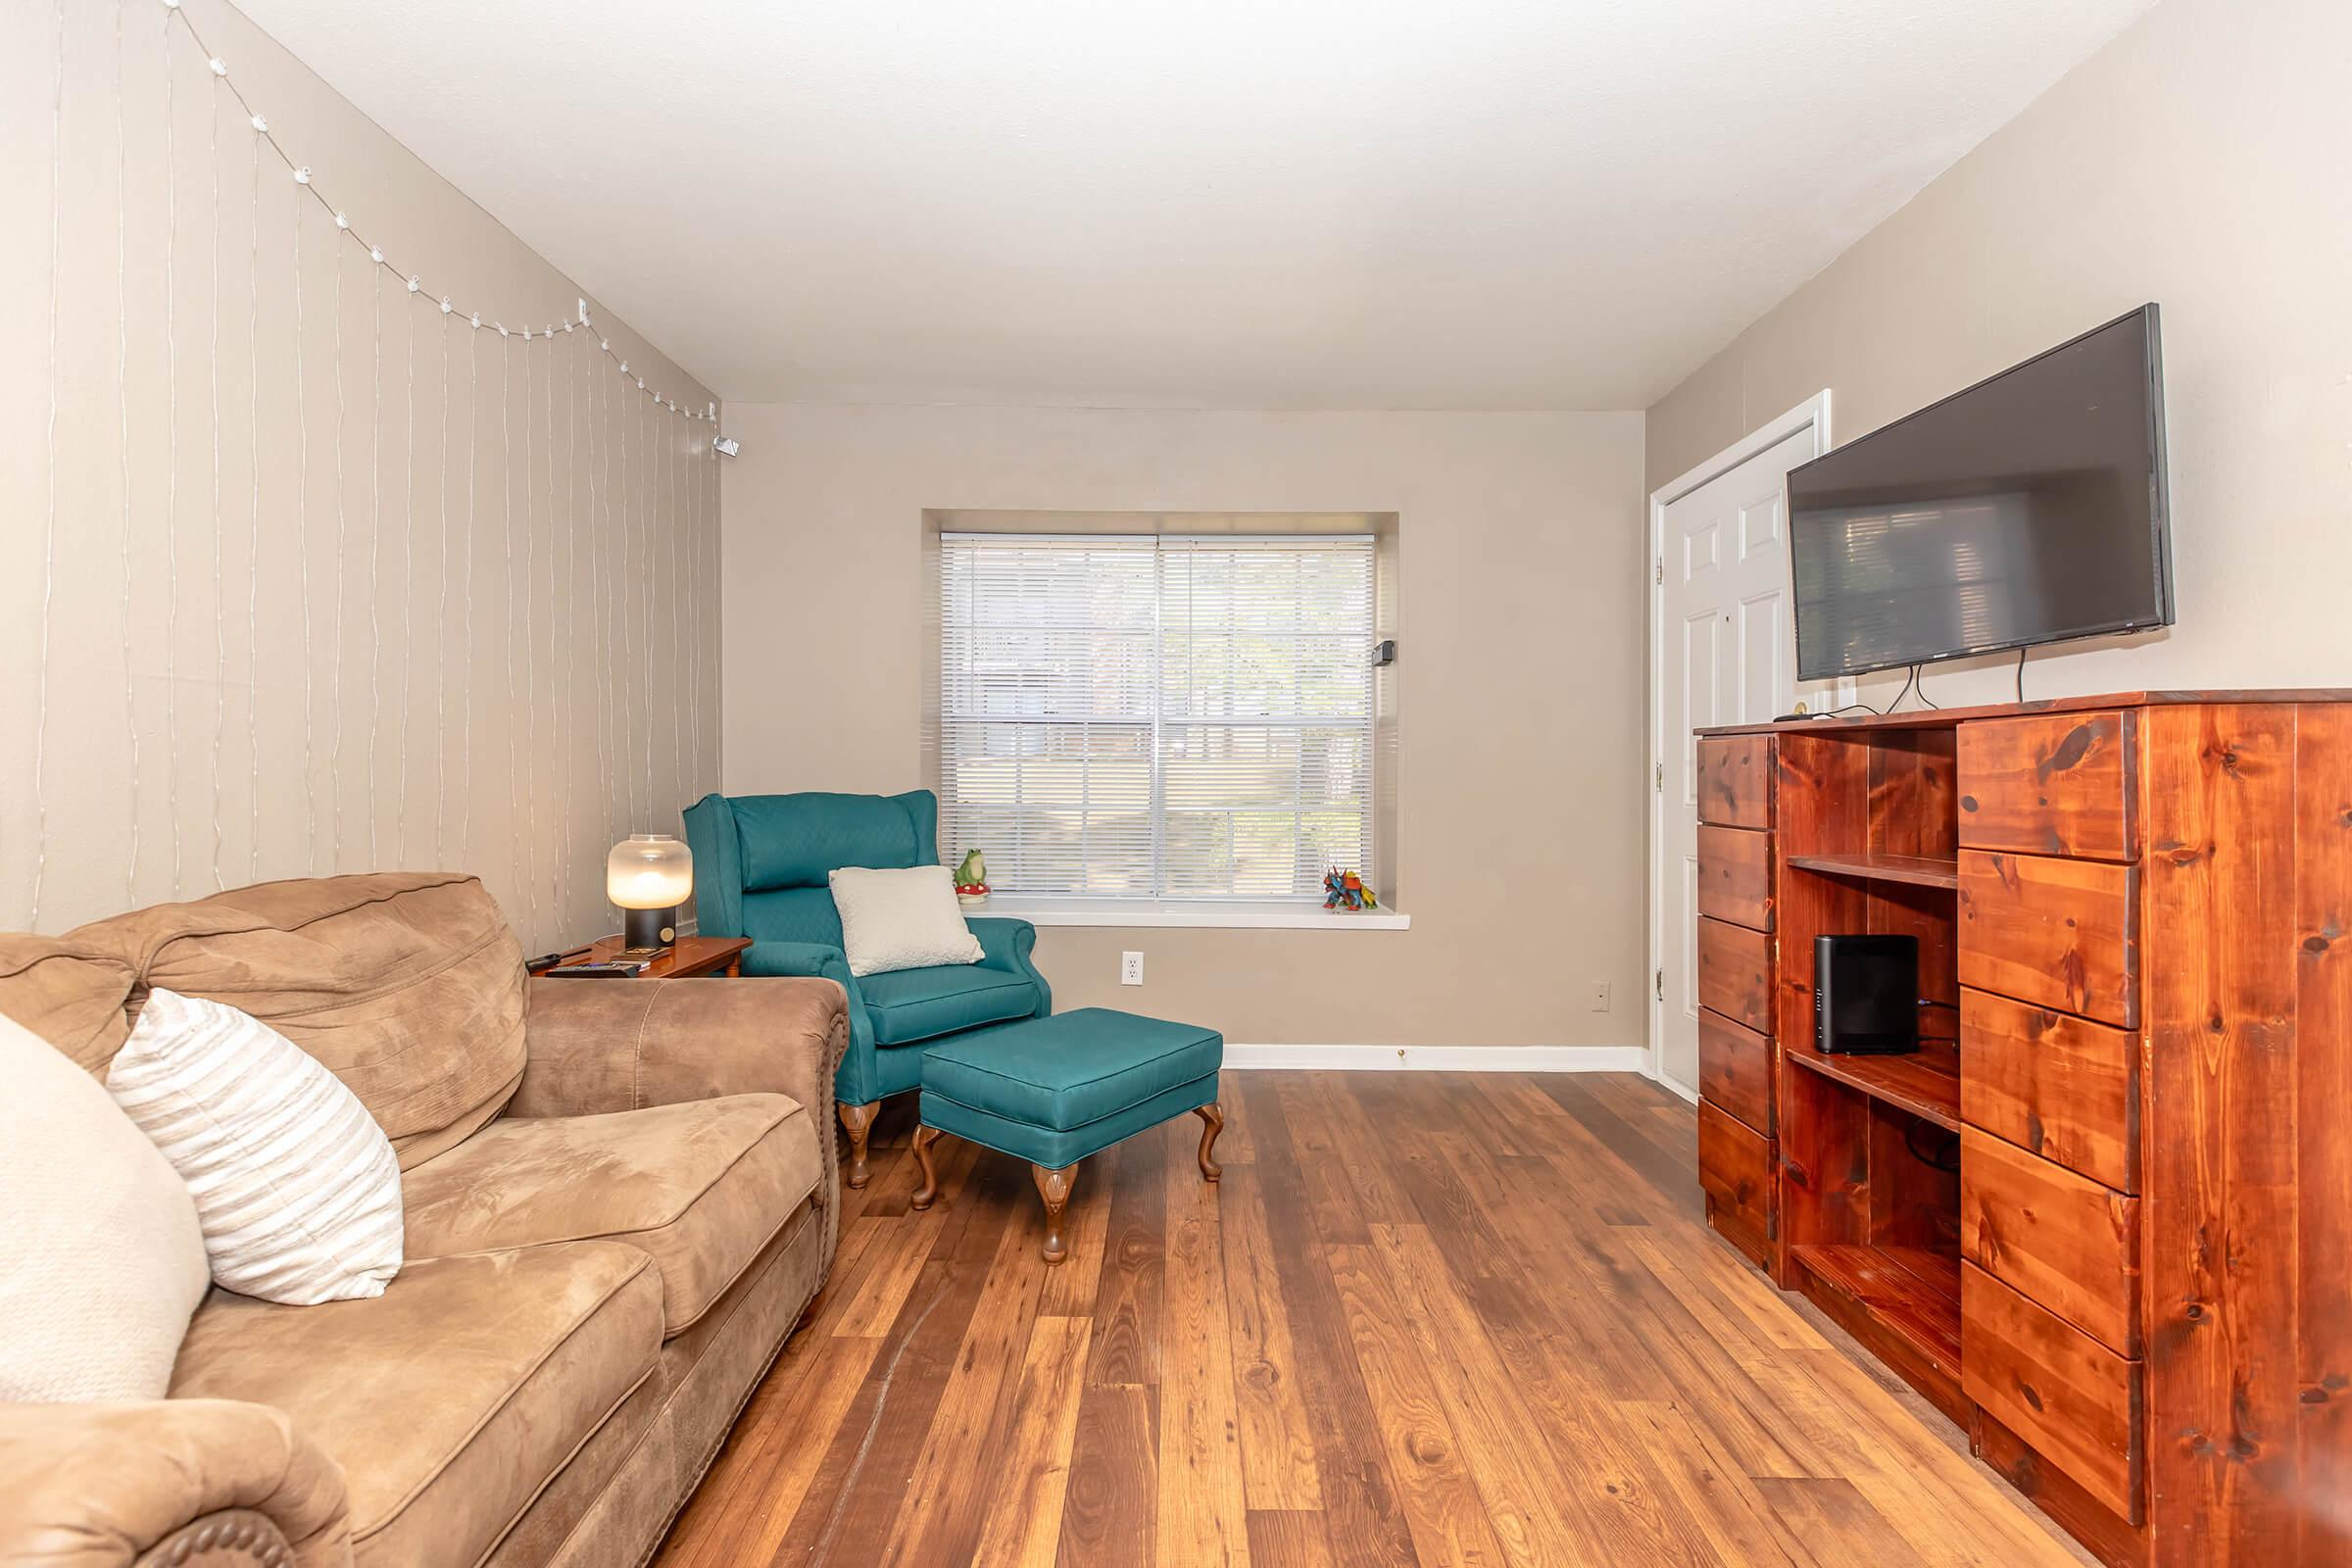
(649, 875)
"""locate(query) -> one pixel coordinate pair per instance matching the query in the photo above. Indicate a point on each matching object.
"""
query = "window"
(1156, 717)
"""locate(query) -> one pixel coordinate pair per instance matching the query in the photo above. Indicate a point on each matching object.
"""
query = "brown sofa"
(619, 1198)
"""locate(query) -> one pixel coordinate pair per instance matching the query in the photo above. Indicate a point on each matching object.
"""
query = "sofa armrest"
(620, 1044)
(88, 1485)
(1006, 944)
(856, 1084)
(593, 1046)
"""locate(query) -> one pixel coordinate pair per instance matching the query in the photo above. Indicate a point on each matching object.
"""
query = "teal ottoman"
(1052, 1091)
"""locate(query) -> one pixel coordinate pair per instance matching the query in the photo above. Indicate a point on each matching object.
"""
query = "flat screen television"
(2029, 509)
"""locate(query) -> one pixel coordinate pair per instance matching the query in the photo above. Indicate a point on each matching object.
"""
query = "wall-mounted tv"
(2029, 509)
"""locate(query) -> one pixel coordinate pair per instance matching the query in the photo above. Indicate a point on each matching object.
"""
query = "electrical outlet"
(1131, 968)
(1600, 996)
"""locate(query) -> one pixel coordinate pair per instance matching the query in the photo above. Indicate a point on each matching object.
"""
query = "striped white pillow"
(296, 1186)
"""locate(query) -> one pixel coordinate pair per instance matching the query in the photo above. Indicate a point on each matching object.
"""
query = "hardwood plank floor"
(1425, 1319)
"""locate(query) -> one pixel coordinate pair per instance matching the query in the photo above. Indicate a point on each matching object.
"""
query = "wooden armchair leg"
(924, 1138)
(1212, 1122)
(858, 1121)
(1054, 1186)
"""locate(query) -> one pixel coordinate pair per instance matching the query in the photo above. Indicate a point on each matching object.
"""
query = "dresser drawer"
(2074, 1399)
(1734, 780)
(2052, 784)
(1734, 1172)
(1735, 1070)
(2063, 1240)
(2063, 1087)
(1734, 973)
(2061, 933)
(1734, 876)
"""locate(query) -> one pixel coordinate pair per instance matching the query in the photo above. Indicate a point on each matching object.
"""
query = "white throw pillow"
(101, 1260)
(296, 1186)
(902, 920)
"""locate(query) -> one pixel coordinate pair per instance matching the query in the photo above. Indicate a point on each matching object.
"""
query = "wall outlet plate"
(1131, 968)
(1600, 996)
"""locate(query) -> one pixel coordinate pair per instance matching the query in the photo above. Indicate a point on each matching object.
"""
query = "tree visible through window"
(1156, 717)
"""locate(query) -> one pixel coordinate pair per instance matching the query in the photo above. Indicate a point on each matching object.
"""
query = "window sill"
(1222, 914)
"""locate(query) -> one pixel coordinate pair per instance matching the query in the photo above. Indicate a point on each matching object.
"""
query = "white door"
(1724, 652)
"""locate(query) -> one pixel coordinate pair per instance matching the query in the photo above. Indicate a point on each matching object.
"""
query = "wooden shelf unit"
(1927, 1085)
(1919, 871)
(2129, 1050)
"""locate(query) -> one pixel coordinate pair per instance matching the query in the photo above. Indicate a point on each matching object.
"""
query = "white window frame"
(1160, 909)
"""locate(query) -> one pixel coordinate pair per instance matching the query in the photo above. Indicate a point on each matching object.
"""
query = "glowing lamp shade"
(648, 875)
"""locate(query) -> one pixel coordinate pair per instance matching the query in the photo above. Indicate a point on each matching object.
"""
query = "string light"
(130, 706)
(57, 211)
(173, 12)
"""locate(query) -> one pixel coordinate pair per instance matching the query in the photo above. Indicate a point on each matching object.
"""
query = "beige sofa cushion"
(701, 1186)
(407, 984)
(454, 1397)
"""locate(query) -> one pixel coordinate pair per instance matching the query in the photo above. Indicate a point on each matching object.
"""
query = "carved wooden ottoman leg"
(924, 1138)
(1213, 1118)
(1054, 1186)
(858, 1121)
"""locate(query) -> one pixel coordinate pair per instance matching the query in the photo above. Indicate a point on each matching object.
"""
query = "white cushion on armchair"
(900, 919)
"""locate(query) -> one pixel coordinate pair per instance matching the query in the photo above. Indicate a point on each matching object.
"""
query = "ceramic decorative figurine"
(971, 881)
(1344, 890)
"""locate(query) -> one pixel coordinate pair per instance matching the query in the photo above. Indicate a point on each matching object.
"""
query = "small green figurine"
(972, 879)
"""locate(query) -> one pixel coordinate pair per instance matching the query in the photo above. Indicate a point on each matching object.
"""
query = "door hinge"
(1661, 985)
(1661, 566)
(1660, 784)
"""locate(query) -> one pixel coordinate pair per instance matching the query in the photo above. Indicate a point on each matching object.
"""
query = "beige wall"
(309, 645)
(1519, 759)
(2199, 161)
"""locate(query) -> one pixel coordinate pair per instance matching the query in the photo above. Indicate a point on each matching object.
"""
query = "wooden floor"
(1424, 1319)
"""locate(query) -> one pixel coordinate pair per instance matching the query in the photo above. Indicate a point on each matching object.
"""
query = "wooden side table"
(691, 957)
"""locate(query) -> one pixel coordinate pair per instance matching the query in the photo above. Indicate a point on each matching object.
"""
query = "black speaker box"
(1866, 994)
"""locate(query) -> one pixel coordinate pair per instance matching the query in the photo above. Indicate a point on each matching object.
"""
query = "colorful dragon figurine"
(1344, 890)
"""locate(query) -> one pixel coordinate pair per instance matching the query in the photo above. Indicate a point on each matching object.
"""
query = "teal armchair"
(759, 865)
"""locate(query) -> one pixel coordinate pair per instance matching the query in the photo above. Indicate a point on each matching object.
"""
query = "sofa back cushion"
(407, 986)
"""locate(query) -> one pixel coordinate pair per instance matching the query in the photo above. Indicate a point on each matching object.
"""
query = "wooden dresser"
(2104, 1217)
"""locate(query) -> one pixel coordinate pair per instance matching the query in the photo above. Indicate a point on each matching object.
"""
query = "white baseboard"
(1440, 1059)
(1667, 1084)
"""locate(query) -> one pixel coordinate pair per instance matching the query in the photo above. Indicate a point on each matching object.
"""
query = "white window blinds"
(1177, 717)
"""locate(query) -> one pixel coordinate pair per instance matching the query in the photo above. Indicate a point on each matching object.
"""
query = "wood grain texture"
(1734, 973)
(2322, 1418)
(2063, 1087)
(1541, 1356)
(2059, 933)
(2052, 784)
(1734, 876)
(2090, 1521)
(1735, 1070)
(1736, 781)
(1735, 1172)
(2221, 1174)
(2074, 1399)
(2061, 1239)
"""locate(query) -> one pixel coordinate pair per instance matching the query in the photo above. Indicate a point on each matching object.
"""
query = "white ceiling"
(1229, 203)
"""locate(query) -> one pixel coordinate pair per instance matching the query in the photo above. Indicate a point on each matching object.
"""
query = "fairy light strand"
(131, 690)
(219, 593)
(252, 551)
(172, 486)
(657, 521)
(375, 557)
(57, 217)
(302, 557)
(377, 254)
